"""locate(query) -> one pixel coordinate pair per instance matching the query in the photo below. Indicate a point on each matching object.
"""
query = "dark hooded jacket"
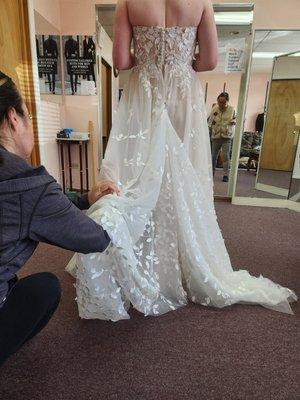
(34, 209)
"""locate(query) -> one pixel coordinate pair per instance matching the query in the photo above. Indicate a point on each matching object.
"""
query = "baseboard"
(274, 203)
(292, 205)
(257, 202)
(272, 189)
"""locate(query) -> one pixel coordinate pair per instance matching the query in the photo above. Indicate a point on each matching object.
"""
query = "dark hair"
(224, 94)
(10, 97)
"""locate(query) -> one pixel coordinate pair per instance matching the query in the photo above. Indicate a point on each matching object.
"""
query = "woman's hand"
(101, 189)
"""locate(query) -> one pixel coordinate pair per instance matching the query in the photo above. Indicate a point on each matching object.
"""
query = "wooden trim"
(278, 191)
(291, 205)
(259, 202)
(222, 198)
(206, 91)
(16, 61)
(266, 202)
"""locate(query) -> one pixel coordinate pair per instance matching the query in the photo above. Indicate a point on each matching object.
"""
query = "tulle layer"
(167, 247)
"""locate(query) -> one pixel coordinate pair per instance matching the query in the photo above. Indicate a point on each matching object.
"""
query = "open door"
(278, 151)
(279, 144)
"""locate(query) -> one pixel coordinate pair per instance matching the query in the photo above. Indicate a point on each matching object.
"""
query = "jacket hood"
(17, 176)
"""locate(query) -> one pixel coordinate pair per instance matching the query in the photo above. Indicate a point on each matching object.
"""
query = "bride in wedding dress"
(166, 246)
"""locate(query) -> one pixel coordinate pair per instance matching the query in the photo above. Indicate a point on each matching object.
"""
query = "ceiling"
(268, 44)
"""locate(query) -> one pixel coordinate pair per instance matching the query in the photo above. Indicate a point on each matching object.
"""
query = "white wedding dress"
(166, 246)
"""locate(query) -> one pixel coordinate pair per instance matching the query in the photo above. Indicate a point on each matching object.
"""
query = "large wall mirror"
(268, 169)
(234, 25)
(45, 37)
(68, 94)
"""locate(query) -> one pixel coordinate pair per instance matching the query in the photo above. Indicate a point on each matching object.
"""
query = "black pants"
(27, 310)
(92, 73)
(51, 82)
(73, 85)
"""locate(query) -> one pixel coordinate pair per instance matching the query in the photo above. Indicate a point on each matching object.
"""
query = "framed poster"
(49, 65)
(79, 65)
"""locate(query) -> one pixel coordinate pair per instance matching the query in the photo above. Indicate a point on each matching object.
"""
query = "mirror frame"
(256, 201)
(242, 99)
(243, 92)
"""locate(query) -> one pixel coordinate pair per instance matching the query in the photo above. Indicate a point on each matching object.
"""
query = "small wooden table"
(80, 143)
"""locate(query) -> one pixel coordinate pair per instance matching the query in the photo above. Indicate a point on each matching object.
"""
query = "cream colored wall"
(78, 17)
(105, 51)
(50, 109)
(272, 14)
(287, 68)
(73, 17)
(216, 84)
(50, 10)
(256, 97)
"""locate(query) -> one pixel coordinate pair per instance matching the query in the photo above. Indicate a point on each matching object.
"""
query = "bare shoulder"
(207, 4)
(122, 4)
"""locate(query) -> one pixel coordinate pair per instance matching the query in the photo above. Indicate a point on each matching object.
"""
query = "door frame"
(108, 95)
(99, 56)
(256, 201)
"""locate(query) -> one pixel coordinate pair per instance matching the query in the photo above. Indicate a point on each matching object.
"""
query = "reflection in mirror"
(222, 90)
(233, 25)
(49, 95)
(105, 18)
(278, 150)
(269, 144)
(222, 87)
(294, 192)
(47, 41)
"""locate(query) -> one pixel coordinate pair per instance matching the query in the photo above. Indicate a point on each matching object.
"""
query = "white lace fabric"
(166, 245)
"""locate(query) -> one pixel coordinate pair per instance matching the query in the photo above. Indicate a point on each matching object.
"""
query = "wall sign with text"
(235, 52)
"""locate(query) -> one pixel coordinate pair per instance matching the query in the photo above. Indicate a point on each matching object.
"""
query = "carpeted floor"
(245, 186)
(195, 353)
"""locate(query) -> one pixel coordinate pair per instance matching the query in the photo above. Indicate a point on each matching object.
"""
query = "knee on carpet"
(44, 288)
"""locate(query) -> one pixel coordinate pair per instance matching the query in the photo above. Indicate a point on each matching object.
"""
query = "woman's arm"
(122, 57)
(207, 58)
(102, 188)
(57, 221)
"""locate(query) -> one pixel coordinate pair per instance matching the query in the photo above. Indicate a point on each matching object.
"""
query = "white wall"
(49, 126)
(287, 67)
(72, 17)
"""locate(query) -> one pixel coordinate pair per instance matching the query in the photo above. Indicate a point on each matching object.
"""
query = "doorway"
(106, 96)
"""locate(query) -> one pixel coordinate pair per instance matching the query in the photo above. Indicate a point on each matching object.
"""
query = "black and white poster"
(79, 65)
(49, 65)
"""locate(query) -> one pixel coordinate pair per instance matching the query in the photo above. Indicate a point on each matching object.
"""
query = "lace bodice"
(164, 46)
(164, 52)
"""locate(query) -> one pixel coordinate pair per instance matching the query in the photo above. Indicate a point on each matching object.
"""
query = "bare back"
(165, 13)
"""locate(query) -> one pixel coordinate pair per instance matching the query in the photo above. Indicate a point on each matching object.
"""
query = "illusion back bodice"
(164, 46)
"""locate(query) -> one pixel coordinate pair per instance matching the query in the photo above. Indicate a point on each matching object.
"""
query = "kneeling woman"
(33, 209)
